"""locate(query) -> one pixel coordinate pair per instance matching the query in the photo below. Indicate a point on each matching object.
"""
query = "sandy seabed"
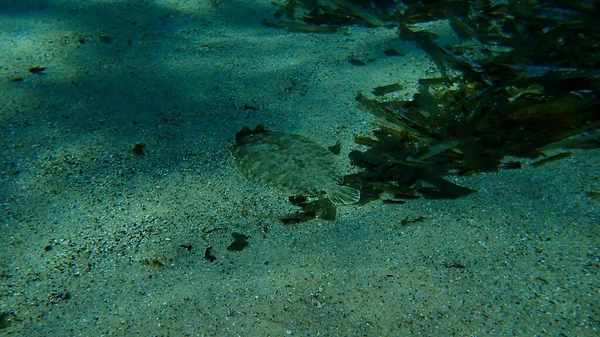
(99, 241)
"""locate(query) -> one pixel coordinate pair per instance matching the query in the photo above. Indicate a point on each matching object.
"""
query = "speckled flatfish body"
(291, 163)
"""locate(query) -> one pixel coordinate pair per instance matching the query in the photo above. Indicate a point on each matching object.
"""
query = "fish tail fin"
(343, 195)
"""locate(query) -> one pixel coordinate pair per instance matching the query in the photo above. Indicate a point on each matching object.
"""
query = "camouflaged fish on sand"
(291, 163)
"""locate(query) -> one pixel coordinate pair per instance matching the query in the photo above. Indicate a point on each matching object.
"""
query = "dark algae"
(336, 148)
(138, 149)
(153, 263)
(386, 89)
(37, 70)
(187, 247)
(593, 194)
(4, 320)
(552, 158)
(523, 78)
(209, 255)
(239, 242)
(322, 208)
(406, 221)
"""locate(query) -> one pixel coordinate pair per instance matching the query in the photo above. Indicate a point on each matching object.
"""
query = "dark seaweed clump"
(524, 78)
(4, 320)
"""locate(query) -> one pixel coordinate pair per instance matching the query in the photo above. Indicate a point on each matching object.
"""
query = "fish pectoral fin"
(343, 195)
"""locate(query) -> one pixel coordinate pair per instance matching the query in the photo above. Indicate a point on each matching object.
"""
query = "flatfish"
(291, 163)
